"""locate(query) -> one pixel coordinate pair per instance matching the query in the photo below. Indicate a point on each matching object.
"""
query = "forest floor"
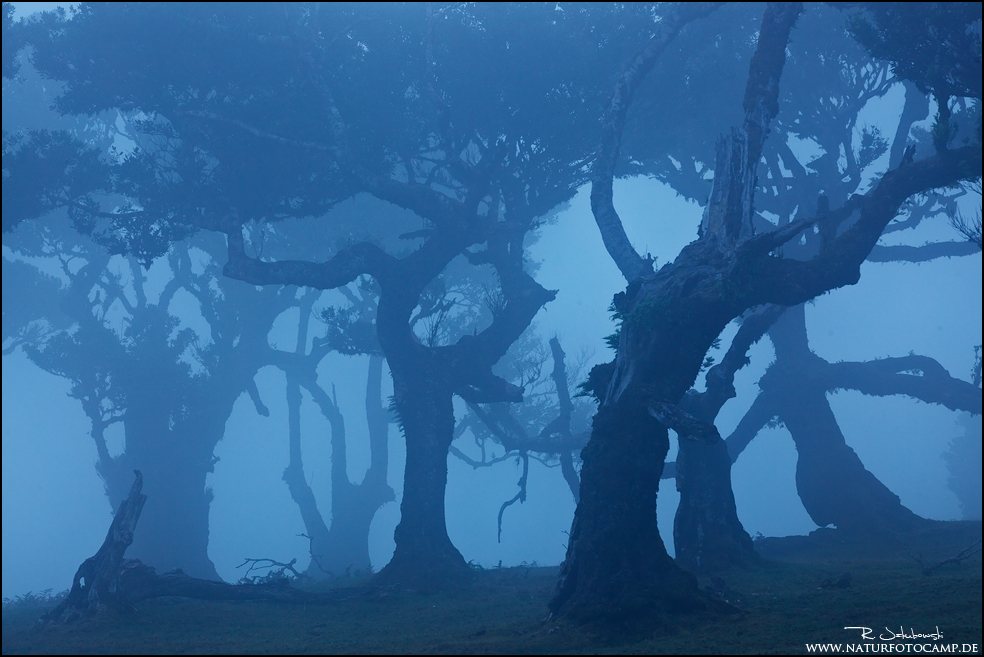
(798, 595)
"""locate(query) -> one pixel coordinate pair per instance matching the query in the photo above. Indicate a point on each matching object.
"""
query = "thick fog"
(56, 512)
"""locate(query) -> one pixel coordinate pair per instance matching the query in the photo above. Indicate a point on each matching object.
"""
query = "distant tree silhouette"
(252, 114)
(130, 362)
(342, 546)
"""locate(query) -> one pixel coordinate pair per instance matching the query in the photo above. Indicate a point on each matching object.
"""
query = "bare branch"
(759, 415)
(520, 495)
(480, 464)
(685, 424)
(629, 262)
(790, 282)
(728, 214)
(965, 553)
(343, 268)
(919, 377)
(258, 564)
(925, 253)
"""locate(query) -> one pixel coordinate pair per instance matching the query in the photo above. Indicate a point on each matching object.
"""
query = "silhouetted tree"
(822, 106)
(130, 362)
(549, 426)
(344, 545)
(671, 316)
(255, 113)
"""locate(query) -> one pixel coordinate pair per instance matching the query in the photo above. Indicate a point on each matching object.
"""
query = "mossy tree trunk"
(707, 534)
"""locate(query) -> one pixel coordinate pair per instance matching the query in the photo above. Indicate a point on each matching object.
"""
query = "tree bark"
(616, 568)
(175, 531)
(707, 534)
(610, 575)
(97, 582)
(424, 557)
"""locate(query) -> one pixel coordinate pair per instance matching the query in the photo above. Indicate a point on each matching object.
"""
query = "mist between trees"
(320, 237)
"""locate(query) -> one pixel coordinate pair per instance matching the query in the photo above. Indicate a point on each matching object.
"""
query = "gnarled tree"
(256, 113)
(616, 567)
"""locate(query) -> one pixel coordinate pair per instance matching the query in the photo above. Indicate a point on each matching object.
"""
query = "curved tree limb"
(341, 269)
(897, 376)
(629, 262)
(471, 359)
(720, 378)
(758, 415)
(790, 282)
(520, 494)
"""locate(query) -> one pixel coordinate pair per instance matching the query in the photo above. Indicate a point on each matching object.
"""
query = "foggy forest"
(491, 327)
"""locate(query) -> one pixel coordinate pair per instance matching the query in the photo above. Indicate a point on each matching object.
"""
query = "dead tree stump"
(97, 581)
(108, 581)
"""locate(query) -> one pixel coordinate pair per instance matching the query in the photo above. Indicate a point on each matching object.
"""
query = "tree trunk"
(108, 581)
(174, 530)
(345, 546)
(424, 555)
(706, 531)
(833, 484)
(609, 575)
(175, 459)
(97, 581)
(353, 506)
(300, 491)
(707, 534)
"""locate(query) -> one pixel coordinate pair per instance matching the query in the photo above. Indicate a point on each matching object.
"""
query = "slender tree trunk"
(300, 491)
(833, 484)
(424, 555)
(345, 546)
(355, 505)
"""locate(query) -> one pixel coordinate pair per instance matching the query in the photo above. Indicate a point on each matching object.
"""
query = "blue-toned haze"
(55, 512)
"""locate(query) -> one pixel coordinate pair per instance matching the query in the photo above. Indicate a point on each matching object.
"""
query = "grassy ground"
(783, 606)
